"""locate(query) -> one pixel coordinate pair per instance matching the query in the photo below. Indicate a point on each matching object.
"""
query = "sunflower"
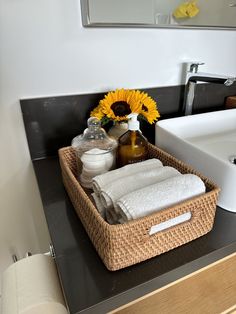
(117, 105)
(149, 108)
(97, 112)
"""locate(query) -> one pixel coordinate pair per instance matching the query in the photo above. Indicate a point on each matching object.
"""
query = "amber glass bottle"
(132, 146)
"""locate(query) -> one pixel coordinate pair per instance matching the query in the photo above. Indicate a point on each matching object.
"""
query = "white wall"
(44, 50)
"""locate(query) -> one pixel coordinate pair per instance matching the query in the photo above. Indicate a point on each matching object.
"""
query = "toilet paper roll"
(31, 286)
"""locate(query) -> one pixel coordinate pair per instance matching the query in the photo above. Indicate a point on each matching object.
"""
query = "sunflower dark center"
(144, 108)
(120, 108)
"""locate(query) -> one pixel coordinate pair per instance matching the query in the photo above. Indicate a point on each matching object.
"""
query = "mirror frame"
(87, 23)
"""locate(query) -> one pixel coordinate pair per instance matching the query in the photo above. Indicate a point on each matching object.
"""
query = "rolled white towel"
(100, 208)
(111, 176)
(122, 186)
(112, 217)
(158, 196)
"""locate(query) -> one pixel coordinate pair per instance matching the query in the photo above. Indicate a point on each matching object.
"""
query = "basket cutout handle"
(170, 223)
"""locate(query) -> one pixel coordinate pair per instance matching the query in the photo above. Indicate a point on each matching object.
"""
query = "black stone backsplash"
(52, 122)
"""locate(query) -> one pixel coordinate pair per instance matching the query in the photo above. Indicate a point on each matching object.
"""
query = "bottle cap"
(133, 122)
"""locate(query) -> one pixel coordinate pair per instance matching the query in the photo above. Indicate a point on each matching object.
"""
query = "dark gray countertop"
(88, 286)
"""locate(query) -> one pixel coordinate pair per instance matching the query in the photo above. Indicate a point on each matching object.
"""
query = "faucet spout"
(193, 76)
(227, 81)
(230, 81)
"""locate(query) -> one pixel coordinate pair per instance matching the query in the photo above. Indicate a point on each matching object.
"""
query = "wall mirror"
(209, 14)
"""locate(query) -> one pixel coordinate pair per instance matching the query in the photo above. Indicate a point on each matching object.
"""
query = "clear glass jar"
(96, 150)
(118, 129)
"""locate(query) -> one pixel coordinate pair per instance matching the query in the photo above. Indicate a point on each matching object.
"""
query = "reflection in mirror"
(159, 13)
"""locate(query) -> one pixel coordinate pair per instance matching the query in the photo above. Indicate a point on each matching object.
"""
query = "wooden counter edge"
(178, 295)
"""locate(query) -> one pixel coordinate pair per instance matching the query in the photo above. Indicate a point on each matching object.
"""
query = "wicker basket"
(126, 244)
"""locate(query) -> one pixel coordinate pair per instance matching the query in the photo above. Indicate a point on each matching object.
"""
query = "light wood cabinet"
(211, 290)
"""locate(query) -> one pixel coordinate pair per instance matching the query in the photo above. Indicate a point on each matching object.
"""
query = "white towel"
(111, 176)
(122, 186)
(111, 217)
(100, 208)
(158, 196)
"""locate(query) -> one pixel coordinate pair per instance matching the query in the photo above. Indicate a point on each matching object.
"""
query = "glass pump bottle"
(132, 146)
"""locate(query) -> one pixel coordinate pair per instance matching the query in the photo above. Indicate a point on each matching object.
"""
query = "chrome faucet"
(193, 76)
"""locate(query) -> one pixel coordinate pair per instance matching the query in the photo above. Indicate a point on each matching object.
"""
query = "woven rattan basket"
(126, 244)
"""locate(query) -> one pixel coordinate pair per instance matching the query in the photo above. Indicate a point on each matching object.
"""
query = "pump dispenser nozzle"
(133, 123)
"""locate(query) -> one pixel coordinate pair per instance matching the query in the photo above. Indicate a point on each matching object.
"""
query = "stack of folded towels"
(140, 189)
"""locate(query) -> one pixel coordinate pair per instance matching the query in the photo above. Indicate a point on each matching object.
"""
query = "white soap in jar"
(95, 161)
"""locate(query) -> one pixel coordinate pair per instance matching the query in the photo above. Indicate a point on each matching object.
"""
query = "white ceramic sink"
(205, 141)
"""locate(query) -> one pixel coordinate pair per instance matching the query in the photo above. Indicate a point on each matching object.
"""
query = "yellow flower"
(149, 109)
(97, 112)
(186, 10)
(117, 105)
